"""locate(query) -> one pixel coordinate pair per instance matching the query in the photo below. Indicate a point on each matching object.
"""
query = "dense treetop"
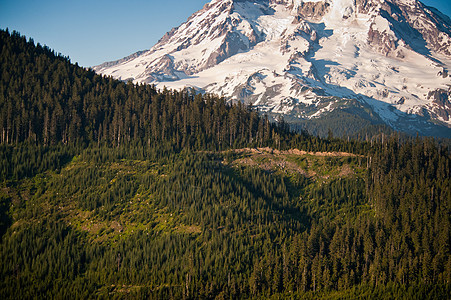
(112, 190)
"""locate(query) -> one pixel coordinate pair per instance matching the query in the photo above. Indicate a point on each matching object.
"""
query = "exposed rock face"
(232, 45)
(441, 99)
(433, 27)
(410, 22)
(366, 6)
(306, 58)
(164, 71)
(313, 11)
(382, 42)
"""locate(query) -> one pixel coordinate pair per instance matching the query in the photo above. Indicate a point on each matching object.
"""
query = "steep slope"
(305, 59)
(112, 190)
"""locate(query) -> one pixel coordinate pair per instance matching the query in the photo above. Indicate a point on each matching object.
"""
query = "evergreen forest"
(111, 190)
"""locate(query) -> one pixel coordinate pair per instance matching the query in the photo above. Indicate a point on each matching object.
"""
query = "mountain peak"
(298, 58)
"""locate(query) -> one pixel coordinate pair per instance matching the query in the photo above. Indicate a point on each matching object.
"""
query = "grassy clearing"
(318, 165)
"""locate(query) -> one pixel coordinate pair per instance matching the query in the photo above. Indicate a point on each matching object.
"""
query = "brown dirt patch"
(346, 171)
(292, 151)
(116, 226)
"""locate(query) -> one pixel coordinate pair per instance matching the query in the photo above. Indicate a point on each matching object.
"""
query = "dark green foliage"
(26, 160)
(5, 219)
(343, 124)
(195, 227)
(46, 100)
(110, 190)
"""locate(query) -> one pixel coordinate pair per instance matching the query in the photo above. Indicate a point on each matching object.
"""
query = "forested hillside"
(112, 190)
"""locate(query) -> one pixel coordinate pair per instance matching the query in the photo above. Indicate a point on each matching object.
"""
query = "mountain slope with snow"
(304, 59)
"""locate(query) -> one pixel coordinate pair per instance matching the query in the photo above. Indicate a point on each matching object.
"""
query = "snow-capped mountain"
(305, 59)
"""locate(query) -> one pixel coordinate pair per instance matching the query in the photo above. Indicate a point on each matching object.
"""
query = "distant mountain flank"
(306, 59)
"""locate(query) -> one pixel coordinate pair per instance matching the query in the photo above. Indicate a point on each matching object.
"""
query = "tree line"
(77, 148)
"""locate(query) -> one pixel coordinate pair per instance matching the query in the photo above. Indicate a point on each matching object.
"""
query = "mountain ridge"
(283, 55)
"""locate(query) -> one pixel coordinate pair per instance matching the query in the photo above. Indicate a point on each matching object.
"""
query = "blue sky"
(94, 31)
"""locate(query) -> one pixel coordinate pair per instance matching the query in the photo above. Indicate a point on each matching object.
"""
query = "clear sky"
(91, 32)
